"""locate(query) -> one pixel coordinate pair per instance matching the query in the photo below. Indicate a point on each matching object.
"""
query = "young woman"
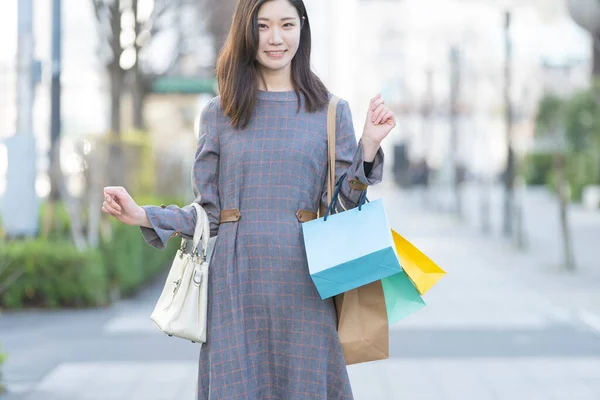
(262, 157)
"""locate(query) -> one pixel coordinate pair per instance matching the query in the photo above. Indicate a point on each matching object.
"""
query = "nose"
(276, 37)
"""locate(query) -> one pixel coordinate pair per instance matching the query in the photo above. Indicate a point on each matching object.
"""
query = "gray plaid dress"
(270, 335)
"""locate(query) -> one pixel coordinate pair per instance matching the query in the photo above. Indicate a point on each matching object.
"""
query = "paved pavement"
(501, 325)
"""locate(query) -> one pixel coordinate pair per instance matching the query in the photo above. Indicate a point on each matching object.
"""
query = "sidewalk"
(500, 325)
(543, 255)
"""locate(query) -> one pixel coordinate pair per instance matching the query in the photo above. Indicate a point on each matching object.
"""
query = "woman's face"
(279, 27)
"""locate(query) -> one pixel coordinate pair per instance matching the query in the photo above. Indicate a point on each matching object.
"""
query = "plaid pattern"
(270, 334)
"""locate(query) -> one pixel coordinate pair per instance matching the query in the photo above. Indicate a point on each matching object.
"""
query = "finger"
(388, 118)
(109, 209)
(113, 203)
(378, 113)
(116, 191)
(373, 100)
(392, 118)
(384, 115)
(377, 103)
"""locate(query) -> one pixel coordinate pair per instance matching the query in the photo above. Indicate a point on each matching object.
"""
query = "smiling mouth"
(276, 54)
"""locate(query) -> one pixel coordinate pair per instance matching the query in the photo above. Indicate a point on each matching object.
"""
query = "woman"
(262, 156)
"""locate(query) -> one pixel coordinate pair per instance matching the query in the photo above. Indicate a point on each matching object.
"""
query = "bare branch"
(159, 12)
(98, 5)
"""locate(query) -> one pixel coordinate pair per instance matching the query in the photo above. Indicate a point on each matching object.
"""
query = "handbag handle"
(201, 231)
(336, 194)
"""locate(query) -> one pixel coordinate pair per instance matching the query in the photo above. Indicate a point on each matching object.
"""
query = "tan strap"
(357, 185)
(232, 215)
(331, 136)
(305, 215)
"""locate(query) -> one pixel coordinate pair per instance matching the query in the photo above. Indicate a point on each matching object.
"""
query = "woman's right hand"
(119, 204)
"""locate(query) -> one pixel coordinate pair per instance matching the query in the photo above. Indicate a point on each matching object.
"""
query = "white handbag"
(181, 310)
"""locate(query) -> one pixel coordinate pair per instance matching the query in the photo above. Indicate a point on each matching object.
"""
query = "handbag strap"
(331, 135)
(201, 231)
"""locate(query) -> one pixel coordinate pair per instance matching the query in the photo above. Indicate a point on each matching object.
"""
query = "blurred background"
(493, 171)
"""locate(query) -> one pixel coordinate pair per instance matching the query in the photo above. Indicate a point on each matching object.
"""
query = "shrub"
(537, 168)
(130, 262)
(2, 359)
(52, 275)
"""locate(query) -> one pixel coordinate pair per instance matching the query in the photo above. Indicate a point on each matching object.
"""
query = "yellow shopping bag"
(423, 272)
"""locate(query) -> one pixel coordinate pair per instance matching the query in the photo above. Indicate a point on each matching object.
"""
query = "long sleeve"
(350, 160)
(175, 221)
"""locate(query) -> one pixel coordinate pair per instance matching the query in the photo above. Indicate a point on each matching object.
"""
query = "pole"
(19, 206)
(509, 175)
(426, 114)
(25, 68)
(454, 89)
(55, 91)
(596, 54)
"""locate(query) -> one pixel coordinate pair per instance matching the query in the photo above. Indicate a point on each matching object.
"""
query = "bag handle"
(336, 194)
(331, 136)
(333, 188)
(201, 231)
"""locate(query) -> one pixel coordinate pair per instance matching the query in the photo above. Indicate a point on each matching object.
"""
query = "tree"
(582, 120)
(127, 27)
(570, 130)
(146, 26)
(550, 126)
(586, 13)
(217, 16)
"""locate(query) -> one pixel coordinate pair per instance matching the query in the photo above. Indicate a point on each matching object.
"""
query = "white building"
(401, 41)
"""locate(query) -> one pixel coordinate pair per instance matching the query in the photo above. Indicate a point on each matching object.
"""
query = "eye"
(289, 25)
(262, 26)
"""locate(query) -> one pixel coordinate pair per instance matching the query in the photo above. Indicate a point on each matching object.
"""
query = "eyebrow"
(282, 19)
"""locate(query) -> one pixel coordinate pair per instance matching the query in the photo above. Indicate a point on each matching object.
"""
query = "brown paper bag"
(363, 324)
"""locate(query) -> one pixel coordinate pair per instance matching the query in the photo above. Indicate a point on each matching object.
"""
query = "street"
(501, 325)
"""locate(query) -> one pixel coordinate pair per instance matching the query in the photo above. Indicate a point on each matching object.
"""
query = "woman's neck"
(276, 81)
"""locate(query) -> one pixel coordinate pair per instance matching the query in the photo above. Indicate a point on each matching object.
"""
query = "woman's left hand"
(380, 121)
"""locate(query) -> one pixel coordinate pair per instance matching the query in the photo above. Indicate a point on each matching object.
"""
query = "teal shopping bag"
(351, 248)
(401, 297)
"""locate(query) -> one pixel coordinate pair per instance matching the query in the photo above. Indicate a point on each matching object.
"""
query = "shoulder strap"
(331, 135)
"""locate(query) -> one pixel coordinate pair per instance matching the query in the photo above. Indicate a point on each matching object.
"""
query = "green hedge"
(538, 168)
(53, 273)
(130, 261)
(583, 169)
(2, 359)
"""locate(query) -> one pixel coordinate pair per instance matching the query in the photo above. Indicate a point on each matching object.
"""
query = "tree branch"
(98, 5)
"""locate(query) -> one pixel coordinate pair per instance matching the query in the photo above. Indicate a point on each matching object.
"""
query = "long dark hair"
(237, 70)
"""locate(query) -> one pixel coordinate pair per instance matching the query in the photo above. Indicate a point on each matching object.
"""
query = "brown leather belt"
(357, 185)
(305, 216)
(234, 215)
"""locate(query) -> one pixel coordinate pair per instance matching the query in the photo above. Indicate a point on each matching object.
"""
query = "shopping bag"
(363, 324)
(349, 249)
(401, 297)
(423, 272)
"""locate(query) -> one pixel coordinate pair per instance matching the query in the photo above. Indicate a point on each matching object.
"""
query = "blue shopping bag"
(351, 248)
(401, 297)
